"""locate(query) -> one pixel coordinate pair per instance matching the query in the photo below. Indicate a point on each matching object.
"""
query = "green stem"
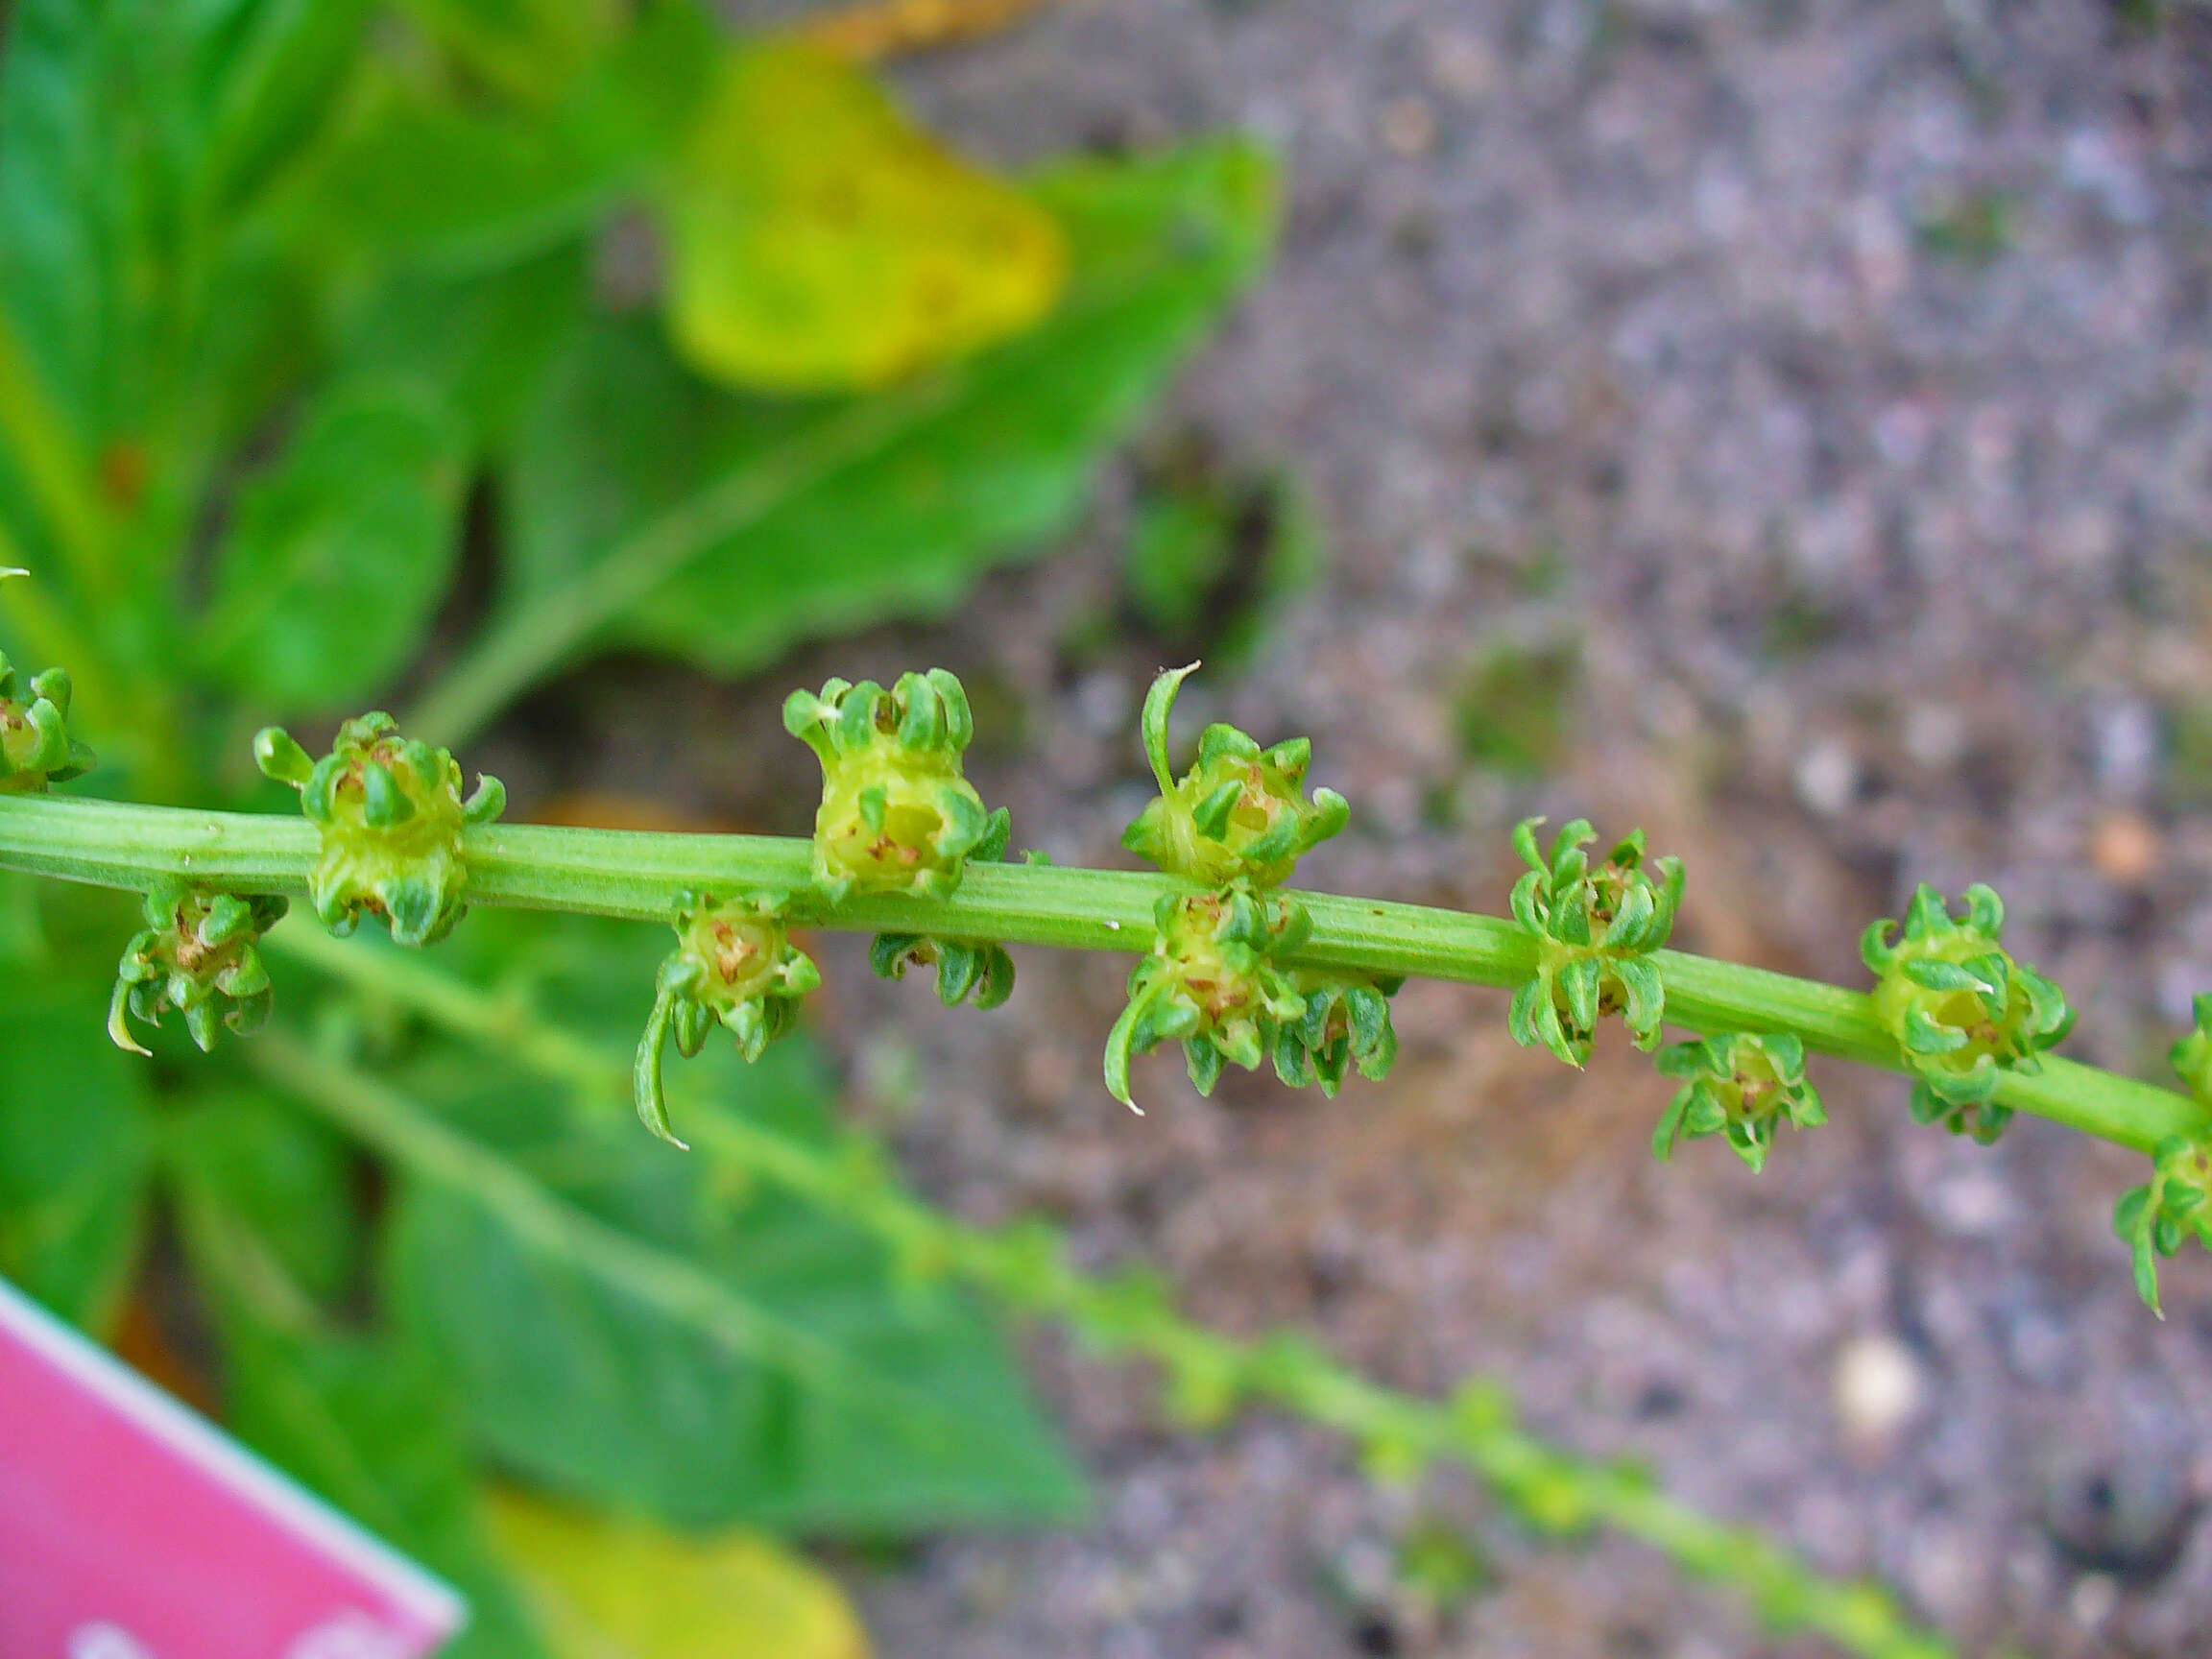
(638, 875)
(1476, 1431)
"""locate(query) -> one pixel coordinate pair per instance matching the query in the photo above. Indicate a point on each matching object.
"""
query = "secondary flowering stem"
(640, 876)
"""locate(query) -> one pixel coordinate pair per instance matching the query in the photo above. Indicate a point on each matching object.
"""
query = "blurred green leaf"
(367, 1421)
(417, 174)
(339, 553)
(722, 529)
(622, 1365)
(819, 241)
(277, 1173)
(617, 1589)
(76, 1151)
(1211, 559)
(528, 50)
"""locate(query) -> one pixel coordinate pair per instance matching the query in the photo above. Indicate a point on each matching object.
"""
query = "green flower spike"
(1740, 1084)
(897, 816)
(734, 966)
(36, 748)
(197, 953)
(391, 814)
(2154, 1219)
(1595, 929)
(1211, 981)
(1962, 1010)
(1346, 1024)
(1239, 812)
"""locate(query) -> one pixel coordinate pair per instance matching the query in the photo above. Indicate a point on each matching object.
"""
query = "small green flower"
(897, 816)
(1239, 813)
(2154, 1219)
(1738, 1084)
(1211, 982)
(1346, 1024)
(1594, 930)
(1962, 1010)
(197, 953)
(391, 814)
(36, 748)
(2192, 1056)
(733, 965)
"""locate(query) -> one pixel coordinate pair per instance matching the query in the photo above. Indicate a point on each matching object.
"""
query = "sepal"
(2174, 1205)
(733, 965)
(198, 954)
(1239, 813)
(965, 967)
(391, 814)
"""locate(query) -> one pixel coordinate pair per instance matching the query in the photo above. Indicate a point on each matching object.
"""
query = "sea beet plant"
(1232, 964)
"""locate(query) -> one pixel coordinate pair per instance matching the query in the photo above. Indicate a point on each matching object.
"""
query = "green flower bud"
(2192, 1056)
(36, 748)
(1962, 1010)
(1211, 982)
(1346, 1024)
(897, 816)
(1239, 813)
(2154, 1219)
(197, 954)
(1595, 931)
(1740, 1084)
(391, 814)
(733, 965)
(964, 968)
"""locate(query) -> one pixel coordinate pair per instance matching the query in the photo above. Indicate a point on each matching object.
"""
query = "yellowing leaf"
(608, 1589)
(818, 241)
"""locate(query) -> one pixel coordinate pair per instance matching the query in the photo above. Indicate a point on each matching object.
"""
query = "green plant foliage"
(76, 1151)
(2154, 1219)
(198, 953)
(640, 1333)
(1346, 1026)
(1596, 929)
(1213, 559)
(391, 815)
(338, 554)
(1738, 1084)
(1240, 814)
(1962, 1010)
(722, 528)
(1513, 711)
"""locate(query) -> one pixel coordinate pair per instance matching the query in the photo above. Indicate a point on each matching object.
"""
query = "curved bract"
(1960, 1008)
(391, 815)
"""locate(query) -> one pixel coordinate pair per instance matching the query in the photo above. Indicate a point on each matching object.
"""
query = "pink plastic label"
(130, 1528)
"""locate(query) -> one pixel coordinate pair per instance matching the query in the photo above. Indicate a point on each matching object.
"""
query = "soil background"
(1784, 425)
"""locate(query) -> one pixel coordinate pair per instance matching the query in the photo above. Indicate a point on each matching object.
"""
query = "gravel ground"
(1820, 392)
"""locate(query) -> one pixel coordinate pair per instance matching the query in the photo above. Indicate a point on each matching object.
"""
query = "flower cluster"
(733, 965)
(197, 953)
(965, 967)
(2154, 1219)
(1239, 813)
(1214, 981)
(1962, 1010)
(1738, 1084)
(36, 748)
(391, 815)
(897, 816)
(1595, 928)
(1346, 1026)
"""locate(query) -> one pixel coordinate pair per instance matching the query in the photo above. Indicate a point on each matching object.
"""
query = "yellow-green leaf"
(818, 241)
(610, 1589)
